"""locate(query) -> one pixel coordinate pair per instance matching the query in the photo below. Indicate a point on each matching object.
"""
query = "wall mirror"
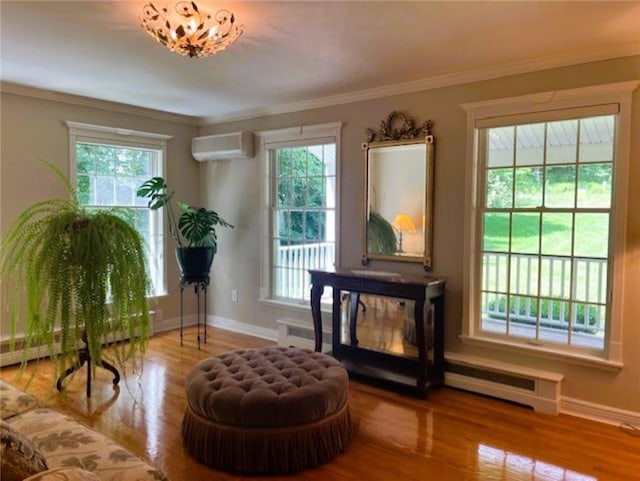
(398, 160)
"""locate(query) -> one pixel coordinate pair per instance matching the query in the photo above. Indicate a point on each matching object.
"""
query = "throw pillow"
(20, 457)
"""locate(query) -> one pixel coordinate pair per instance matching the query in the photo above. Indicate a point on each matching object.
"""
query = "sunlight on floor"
(512, 466)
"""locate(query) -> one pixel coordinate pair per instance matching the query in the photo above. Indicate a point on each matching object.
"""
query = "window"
(108, 168)
(545, 230)
(300, 181)
(546, 224)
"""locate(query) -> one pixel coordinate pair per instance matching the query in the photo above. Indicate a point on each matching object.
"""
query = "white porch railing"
(566, 301)
(577, 303)
(292, 263)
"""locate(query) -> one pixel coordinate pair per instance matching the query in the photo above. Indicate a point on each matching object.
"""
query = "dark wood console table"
(427, 292)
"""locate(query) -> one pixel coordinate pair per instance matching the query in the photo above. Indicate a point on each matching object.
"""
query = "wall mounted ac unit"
(236, 145)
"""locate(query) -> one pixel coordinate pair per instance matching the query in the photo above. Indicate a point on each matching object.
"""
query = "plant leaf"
(151, 186)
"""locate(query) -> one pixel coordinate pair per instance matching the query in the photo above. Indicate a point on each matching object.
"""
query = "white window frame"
(289, 137)
(117, 137)
(548, 106)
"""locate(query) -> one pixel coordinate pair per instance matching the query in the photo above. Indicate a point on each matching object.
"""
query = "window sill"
(156, 296)
(543, 351)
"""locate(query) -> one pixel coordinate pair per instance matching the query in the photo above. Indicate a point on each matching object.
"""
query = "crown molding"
(447, 80)
(25, 91)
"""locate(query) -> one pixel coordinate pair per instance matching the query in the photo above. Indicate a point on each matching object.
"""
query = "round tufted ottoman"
(266, 411)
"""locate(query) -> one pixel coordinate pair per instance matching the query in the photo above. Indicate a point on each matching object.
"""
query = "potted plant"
(71, 273)
(194, 231)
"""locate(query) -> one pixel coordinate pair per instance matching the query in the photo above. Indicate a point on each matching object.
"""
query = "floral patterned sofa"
(45, 445)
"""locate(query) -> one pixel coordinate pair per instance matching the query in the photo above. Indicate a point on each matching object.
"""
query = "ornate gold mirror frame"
(398, 206)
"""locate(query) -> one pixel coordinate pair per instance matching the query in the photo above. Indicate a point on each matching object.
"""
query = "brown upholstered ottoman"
(269, 410)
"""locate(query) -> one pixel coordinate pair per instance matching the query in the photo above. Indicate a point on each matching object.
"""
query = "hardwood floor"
(452, 435)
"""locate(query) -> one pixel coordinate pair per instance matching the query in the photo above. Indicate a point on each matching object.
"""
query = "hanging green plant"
(68, 273)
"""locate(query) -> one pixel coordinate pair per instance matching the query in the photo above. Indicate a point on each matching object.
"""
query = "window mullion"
(514, 148)
(542, 209)
(481, 152)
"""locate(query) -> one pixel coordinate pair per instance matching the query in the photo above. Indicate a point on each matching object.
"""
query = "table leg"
(436, 318)
(316, 294)
(354, 301)
(421, 341)
(336, 320)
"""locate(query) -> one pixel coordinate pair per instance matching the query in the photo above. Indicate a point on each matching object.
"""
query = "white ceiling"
(297, 54)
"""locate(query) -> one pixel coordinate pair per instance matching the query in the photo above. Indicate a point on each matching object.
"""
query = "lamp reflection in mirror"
(403, 223)
(188, 31)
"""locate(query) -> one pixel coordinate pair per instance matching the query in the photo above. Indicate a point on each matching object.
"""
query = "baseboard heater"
(531, 387)
(9, 357)
(293, 332)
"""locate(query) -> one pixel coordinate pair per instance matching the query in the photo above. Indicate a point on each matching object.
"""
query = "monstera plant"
(194, 231)
(71, 273)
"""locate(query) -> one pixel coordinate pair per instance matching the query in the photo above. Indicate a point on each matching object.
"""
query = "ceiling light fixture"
(188, 31)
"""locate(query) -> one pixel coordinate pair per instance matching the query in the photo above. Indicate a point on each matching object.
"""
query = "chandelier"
(188, 31)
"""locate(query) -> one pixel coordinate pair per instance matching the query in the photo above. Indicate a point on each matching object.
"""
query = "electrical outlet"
(234, 295)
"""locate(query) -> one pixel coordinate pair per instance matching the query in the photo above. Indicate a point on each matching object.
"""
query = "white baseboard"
(220, 322)
(9, 358)
(598, 412)
(243, 328)
(16, 357)
(171, 324)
